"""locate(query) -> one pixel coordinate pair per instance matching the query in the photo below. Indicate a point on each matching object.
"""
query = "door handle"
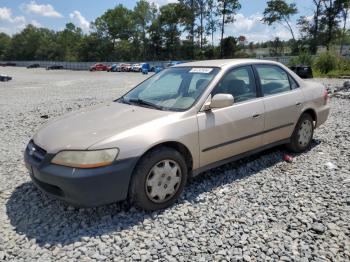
(298, 104)
(256, 116)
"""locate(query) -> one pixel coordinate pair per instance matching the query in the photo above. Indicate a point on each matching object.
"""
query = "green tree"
(330, 19)
(276, 48)
(227, 10)
(155, 39)
(212, 19)
(115, 24)
(202, 13)
(95, 47)
(25, 44)
(69, 39)
(278, 11)
(170, 18)
(48, 47)
(344, 11)
(229, 47)
(189, 10)
(311, 30)
(5, 43)
(143, 15)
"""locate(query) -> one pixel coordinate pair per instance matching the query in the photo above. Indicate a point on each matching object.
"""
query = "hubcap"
(163, 181)
(305, 133)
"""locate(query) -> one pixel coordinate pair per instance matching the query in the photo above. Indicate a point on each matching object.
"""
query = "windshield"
(175, 88)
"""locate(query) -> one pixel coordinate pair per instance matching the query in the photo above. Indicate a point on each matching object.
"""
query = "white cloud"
(163, 2)
(5, 13)
(35, 23)
(80, 20)
(309, 18)
(159, 3)
(42, 10)
(246, 23)
(255, 30)
(6, 16)
(10, 24)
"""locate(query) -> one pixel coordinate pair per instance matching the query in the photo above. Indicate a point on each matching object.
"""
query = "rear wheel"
(302, 135)
(158, 179)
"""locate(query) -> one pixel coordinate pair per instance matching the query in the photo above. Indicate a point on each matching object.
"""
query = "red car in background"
(99, 67)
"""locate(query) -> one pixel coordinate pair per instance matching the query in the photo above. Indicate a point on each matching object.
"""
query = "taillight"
(325, 96)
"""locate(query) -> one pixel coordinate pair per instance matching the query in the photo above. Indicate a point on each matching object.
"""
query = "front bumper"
(81, 187)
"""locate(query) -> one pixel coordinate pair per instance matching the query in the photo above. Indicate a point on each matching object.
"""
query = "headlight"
(86, 159)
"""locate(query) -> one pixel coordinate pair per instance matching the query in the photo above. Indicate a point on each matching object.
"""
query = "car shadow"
(53, 222)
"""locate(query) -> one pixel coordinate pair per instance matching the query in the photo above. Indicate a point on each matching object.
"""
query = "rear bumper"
(322, 115)
(82, 187)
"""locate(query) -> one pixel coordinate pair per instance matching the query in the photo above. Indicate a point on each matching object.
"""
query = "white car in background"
(136, 67)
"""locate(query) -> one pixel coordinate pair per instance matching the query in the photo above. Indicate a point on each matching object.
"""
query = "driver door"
(236, 129)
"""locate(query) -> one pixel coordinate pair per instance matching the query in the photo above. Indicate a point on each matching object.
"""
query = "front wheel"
(158, 179)
(302, 135)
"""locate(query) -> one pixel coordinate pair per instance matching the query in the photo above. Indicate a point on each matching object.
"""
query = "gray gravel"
(257, 209)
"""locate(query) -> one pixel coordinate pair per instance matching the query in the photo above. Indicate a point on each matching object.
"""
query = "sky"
(54, 14)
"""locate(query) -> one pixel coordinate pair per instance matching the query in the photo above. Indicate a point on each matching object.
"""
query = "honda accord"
(187, 119)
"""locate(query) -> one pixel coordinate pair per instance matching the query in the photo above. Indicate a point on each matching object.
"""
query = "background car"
(5, 78)
(157, 69)
(99, 67)
(114, 68)
(33, 66)
(125, 67)
(8, 64)
(302, 70)
(146, 66)
(136, 68)
(172, 63)
(119, 68)
(54, 67)
(140, 67)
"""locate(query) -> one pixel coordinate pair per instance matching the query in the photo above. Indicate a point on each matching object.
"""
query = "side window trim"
(257, 82)
(290, 82)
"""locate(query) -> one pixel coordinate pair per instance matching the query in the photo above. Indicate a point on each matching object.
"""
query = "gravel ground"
(257, 209)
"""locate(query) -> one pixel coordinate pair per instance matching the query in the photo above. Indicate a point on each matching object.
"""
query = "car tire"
(158, 179)
(302, 134)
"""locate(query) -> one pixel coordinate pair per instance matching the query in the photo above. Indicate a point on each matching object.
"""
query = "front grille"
(36, 152)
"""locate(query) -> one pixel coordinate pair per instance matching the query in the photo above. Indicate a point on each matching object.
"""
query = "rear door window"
(273, 79)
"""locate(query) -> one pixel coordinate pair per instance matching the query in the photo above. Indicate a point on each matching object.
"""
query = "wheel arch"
(312, 113)
(178, 146)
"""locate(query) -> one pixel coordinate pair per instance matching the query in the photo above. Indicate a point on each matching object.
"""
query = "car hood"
(82, 129)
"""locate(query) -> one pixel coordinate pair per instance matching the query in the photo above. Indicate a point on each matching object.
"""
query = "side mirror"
(221, 101)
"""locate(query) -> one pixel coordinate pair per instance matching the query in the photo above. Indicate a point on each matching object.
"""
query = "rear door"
(236, 129)
(282, 100)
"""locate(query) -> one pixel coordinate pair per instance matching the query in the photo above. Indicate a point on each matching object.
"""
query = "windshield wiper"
(146, 103)
(123, 100)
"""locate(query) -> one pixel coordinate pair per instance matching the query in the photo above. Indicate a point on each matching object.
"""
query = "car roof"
(224, 62)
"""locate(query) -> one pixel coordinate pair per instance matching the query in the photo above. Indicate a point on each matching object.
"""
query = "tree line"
(183, 30)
